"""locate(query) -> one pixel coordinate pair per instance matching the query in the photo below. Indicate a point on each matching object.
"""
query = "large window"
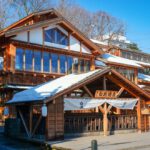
(81, 64)
(37, 61)
(87, 65)
(28, 59)
(54, 35)
(75, 65)
(69, 66)
(19, 59)
(54, 58)
(128, 73)
(34, 60)
(62, 64)
(46, 62)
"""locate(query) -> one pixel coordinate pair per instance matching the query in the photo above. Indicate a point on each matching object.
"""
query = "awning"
(87, 103)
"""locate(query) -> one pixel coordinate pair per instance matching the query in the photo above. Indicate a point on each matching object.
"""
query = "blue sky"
(134, 13)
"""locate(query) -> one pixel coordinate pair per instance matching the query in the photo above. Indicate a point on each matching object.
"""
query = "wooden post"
(139, 116)
(105, 120)
(104, 83)
(30, 121)
(118, 111)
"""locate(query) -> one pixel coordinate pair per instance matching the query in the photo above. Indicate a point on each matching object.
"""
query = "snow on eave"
(99, 42)
(144, 77)
(51, 88)
(120, 60)
(142, 63)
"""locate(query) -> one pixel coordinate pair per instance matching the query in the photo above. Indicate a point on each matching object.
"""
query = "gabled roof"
(120, 60)
(14, 25)
(63, 85)
(14, 29)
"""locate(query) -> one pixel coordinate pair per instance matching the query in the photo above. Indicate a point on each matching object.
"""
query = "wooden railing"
(121, 122)
(79, 123)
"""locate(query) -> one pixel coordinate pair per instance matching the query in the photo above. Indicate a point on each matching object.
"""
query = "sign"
(105, 94)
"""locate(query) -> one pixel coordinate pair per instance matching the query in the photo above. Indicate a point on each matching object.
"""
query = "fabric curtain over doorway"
(89, 103)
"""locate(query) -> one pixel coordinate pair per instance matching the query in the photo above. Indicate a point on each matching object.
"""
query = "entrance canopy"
(78, 104)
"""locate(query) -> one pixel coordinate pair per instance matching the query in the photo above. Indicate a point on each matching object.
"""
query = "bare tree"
(3, 13)
(94, 25)
(25, 7)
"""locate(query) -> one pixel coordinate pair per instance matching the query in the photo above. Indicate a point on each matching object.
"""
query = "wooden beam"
(36, 126)
(88, 91)
(121, 85)
(139, 116)
(104, 83)
(101, 109)
(109, 107)
(31, 118)
(120, 92)
(24, 123)
(105, 120)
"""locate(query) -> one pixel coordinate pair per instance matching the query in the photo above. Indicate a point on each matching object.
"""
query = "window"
(56, 36)
(28, 60)
(69, 66)
(75, 65)
(46, 60)
(81, 62)
(62, 63)
(19, 59)
(54, 58)
(87, 65)
(37, 61)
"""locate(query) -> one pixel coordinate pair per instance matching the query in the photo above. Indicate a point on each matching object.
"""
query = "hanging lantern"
(6, 111)
(44, 110)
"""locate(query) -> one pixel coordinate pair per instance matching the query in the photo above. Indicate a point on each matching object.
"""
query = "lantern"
(6, 111)
(44, 110)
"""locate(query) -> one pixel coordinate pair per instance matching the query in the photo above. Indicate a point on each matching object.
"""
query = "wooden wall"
(55, 120)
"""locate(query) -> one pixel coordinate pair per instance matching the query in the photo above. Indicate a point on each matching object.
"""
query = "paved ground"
(10, 144)
(131, 141)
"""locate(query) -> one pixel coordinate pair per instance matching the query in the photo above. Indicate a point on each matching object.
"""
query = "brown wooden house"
(40, 47)
(98, 102)
(44, 48)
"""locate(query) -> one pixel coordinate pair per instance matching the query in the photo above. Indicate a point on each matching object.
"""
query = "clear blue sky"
(134, 13)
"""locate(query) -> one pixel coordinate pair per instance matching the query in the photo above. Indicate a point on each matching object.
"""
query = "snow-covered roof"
(142, 63)
(51, 88)
(120, 60)
(99, 42)
(99, 63)
(144, 77)
(18, 87)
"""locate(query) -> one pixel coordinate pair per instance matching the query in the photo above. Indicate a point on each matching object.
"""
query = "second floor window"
(37, 60)
(46, 62)
(19, 59)
(28, 60)
(56, 36)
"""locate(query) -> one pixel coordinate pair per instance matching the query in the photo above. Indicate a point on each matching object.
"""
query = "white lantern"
(44, 110)
(6, 111)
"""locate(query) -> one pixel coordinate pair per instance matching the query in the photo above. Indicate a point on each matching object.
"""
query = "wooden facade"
(45, 46)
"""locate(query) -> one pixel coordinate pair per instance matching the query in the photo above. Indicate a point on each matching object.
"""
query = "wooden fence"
(82, 123)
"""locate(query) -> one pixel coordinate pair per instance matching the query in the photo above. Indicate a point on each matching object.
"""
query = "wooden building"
(44, 48)
(98, 102)
(40, 47)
